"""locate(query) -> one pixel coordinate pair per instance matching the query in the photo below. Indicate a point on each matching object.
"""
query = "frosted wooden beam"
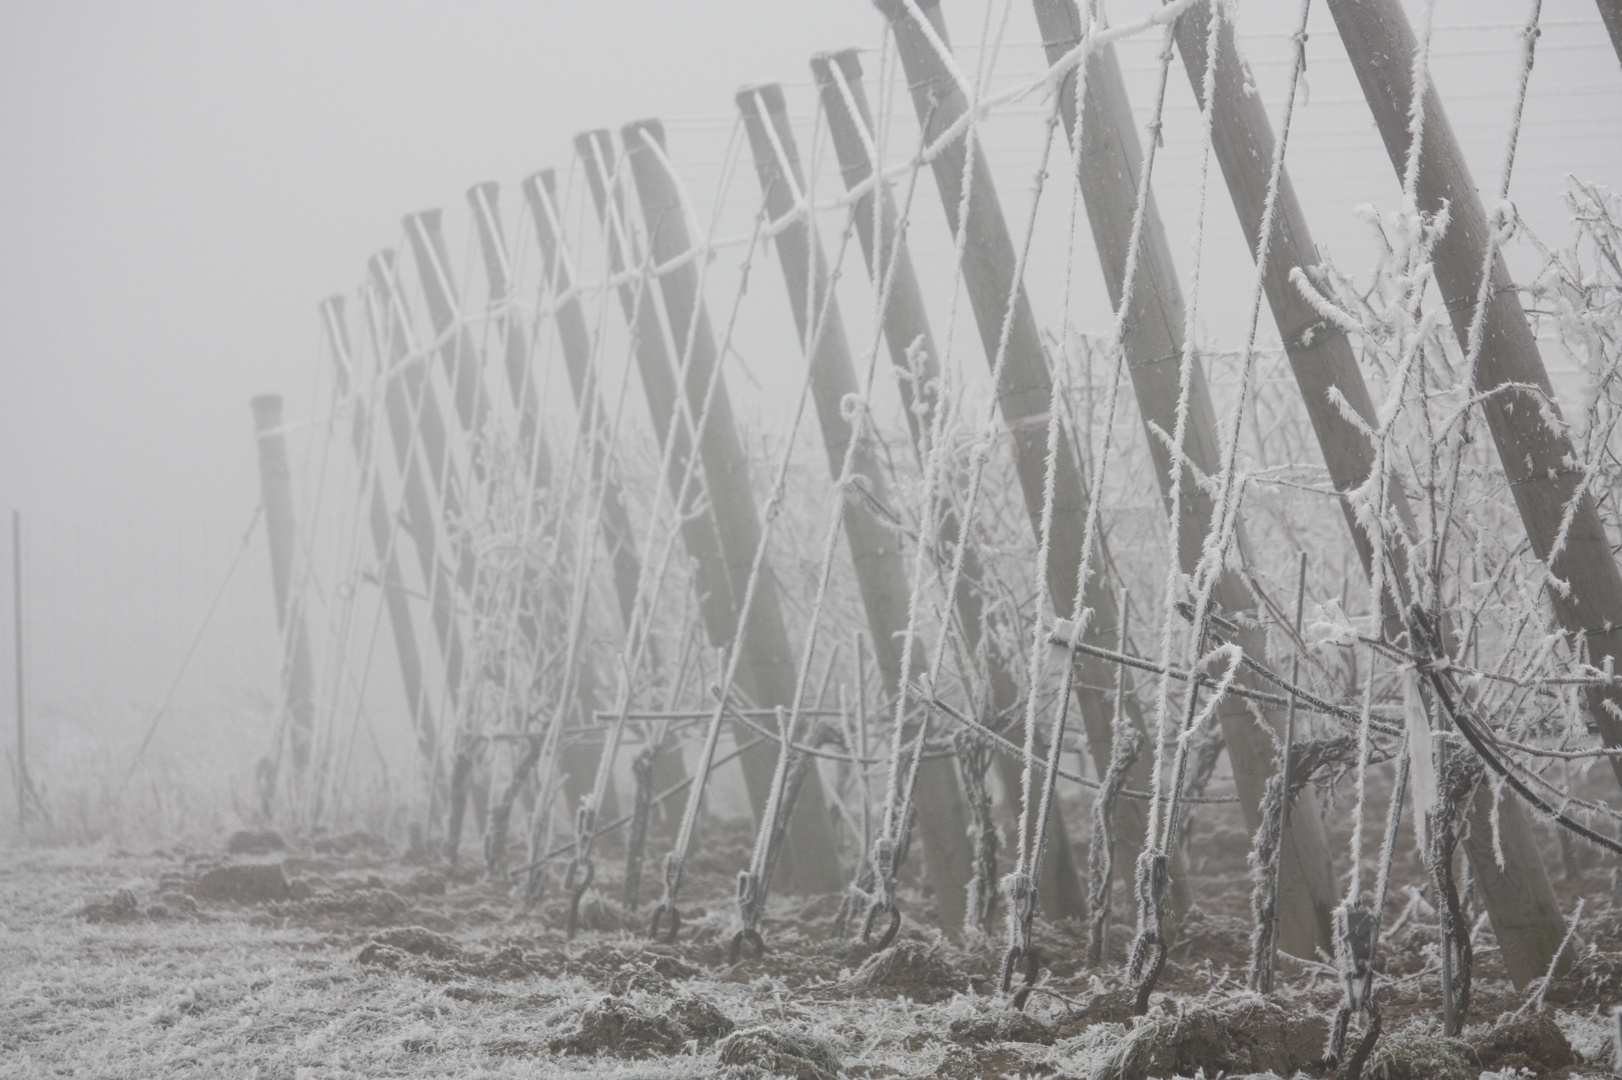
(276, 493)
(875, 546)
(911, 345)
(1110, 166)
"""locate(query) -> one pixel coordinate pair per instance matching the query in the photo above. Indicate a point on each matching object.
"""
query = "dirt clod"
(173, 905)
(244, 883)
(255, 842)
(672, 968)
(1002, 1025)
(701, 1019)
(912, 969)
(424, 883)
(640, 978)
(966, 1063)
(419, 942)
(768, 1052)
(351, 843)
(1420, 1055)
(376, 955)
(121, 907)
(616, 1027)
(1532, 1042)
(362, 907)
(1245, 1035)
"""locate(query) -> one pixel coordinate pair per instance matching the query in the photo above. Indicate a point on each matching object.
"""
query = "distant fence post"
(22, 708)
(276, 489)
(396, 601)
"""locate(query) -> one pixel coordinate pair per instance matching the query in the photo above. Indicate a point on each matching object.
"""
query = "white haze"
(182, 183)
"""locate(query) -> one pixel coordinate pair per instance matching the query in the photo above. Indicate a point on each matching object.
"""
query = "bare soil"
(268, 957)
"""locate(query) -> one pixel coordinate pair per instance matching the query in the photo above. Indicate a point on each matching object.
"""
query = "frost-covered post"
(1321, 357)
(1560, 517)
(416, 432)
(464, 364)
(1025, 387)
(1518, 400)
(463, 360)
(811, 862)
(615, 521)
(619, 539)
(1611, 12)
(276, 492)
(911, 346)
(380, 522)
(1110, 165)
(657, 376)
(875, 546)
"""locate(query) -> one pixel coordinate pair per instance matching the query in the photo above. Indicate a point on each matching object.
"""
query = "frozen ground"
(345, 959)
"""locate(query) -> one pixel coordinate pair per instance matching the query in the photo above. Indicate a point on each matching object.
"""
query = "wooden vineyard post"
(1610, 11)
(532, 448)
(875, 546)
(276, 491)
(1536, 453)
(1111, 165)
(574, 335)
(1026, 386)
(417, 433)
(810, 863)
(579, 763)
(417, 430)
(464, 364)
(1324, 365)
(577, 357)
(912, 351)
(657, 375)
(463, 360)
(396, 601)
(1319, 352)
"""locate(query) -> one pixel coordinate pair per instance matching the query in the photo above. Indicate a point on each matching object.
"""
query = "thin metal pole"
(22, 712)
(1284, 797)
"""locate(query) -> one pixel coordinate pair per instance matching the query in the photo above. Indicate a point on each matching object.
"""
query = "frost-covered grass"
(447, 979)
(231, 996)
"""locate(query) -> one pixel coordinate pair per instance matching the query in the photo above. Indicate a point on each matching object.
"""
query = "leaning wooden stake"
(875, 545)
(1111, 164)
(1325, 368)
(276, 490)
(671, 424)
(811, 862)
(540, 193)
(570, 319)
(417, 433)
(1026, 386)
(657, 375)
(911, 345)
(463, 361)
(396, 601)
(464, 366)
(1517, 398)
(1523, 418)
(1610, 11)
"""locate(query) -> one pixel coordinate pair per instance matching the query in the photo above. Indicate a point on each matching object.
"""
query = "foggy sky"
(182, 183)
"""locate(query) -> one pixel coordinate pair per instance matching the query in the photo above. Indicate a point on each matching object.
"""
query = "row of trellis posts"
(412, 446)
